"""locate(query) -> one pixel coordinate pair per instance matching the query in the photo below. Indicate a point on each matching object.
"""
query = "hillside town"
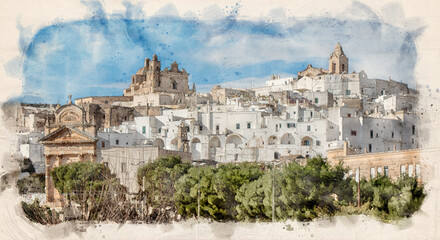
(371, 125)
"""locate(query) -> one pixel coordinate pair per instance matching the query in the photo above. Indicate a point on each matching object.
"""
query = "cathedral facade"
(151, 79)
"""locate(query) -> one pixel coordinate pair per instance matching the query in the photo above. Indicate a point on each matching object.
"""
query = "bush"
(40, 214)
(34, 183)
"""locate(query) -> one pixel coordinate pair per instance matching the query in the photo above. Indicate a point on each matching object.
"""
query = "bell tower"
(153, 74)
(338, 62)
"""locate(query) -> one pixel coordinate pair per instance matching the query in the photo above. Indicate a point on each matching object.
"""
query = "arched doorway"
(196, 148)
(214, 143)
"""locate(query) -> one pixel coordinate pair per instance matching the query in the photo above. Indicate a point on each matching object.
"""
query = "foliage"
(34, 183)
(301, 192)
(156, 180)
(392, 201)
(215, 188)
(92, 186)
(40, 214)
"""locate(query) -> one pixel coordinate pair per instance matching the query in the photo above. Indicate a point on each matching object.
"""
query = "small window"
(413, 129)
(288, 125)
(316, 100)
(159, 130)
(237, 126)
(103, 144)
(174, 85)
(123, 167)
(236, 157)
(217, 127)
(392, 134)
(318, 143)
(353, 133)
(377, 135)
(276, 155)
(280, 125)
(417, 170)
(370, 147)
(347, 92)
(117, 141)
(385, 171)
(410, 170)
(379, 171)
(249, 125)
(348, 114)
(402, 170)
(371, 134)
(200, 128)
(144, 129)
(372, 172)
(293, 125)
(308, 128)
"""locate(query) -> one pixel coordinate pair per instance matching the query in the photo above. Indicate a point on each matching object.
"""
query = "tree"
(95, 189)
(158, 179)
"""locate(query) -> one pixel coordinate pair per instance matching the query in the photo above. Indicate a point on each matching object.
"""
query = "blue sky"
(97, 56)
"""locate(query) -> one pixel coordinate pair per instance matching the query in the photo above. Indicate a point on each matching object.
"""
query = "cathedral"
(150, 79)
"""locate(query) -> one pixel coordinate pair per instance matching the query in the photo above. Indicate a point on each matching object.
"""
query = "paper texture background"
(32, 15)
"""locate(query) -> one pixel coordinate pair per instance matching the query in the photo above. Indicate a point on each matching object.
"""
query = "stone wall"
(397, 163)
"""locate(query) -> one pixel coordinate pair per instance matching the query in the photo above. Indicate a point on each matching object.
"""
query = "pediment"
(67, 135)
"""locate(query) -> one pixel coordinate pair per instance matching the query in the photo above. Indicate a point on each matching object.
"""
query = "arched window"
(174, 85)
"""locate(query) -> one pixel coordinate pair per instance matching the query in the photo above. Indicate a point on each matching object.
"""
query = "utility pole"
(143, 198)
(358, 178)
(273, 191)
(198, 194)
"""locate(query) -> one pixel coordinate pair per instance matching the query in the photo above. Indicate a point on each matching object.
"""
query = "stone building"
(72, 138)
(125, 161)
(394, 163)
(151, 79)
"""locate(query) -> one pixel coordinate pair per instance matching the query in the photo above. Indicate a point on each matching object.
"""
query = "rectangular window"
(372, 172)
(410, 170)
(123, 167)
(402, 170)
(237, 126)
(308, 128)
(379, 171)
(318, 143)
(370, 147)
(200, 128)
(385, 171)
(413, 130)
(353, 133)
(187, 128)
(103, 144)
(159, 130)
(348, 114)
(117, 141)
(371, 134)
(316, 100)
(293, 125)
(418, 170)
(248, 125)
(280, 125)
(392, 134)
(288, 125)
(217, 127)
(347, 92)
(144, 129)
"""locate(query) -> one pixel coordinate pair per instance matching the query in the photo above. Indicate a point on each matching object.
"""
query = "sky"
(96, 55)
